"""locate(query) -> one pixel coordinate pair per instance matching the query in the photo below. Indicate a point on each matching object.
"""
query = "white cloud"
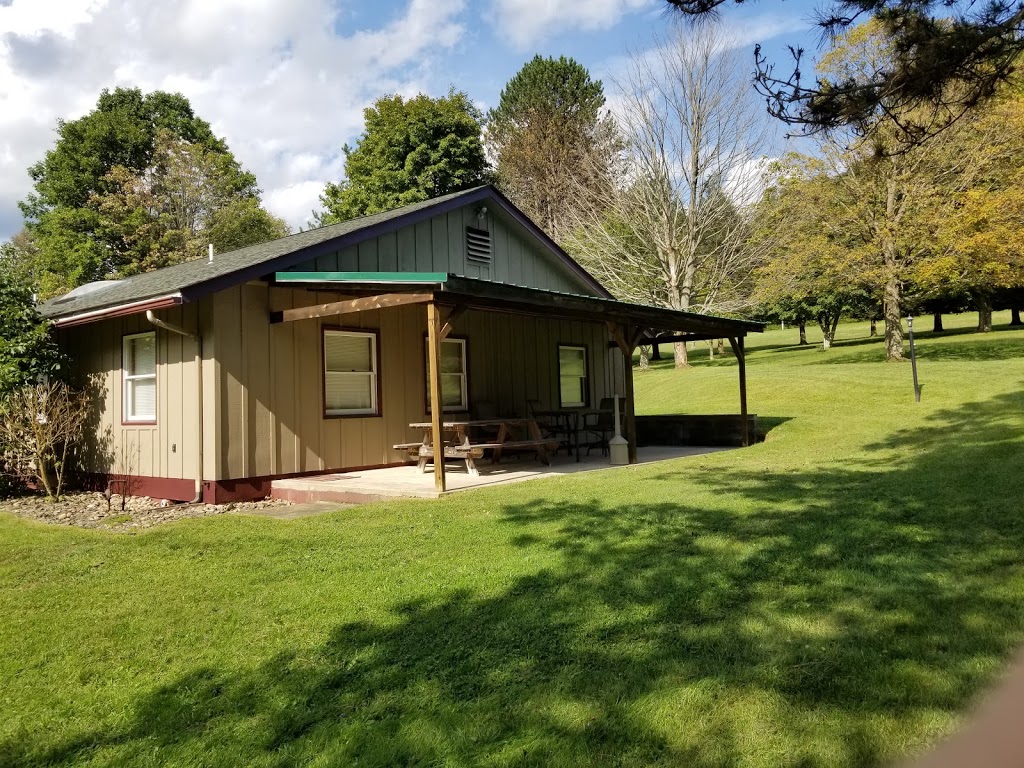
(283, 81)
(526, 22)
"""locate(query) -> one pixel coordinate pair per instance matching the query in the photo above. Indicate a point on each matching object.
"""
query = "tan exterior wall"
(439, 245)
(270, 386)
(263, 384)
(167, 449)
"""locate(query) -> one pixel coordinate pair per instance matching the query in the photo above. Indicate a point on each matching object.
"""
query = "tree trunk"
(711, 350)
(874, 328)
(680, 353)
(937, 322)
(1015, 317)
(893, 321)
(984, 304)
(803, 333)
(892, 290)
(656, 351)
(828, 325)
(891, 303)
(645, 357)
(721, 347)
(826, 338)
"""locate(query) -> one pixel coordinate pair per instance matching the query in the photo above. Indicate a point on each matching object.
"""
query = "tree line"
(668, 200)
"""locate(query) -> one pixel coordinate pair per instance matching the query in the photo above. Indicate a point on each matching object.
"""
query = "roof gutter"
(198, 339)
(120, 310)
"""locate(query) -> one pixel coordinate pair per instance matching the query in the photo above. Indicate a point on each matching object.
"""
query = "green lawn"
(835, 596)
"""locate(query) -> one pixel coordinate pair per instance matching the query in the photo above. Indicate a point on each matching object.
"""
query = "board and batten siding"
(438, 244)
(270, 387)
(168, 448)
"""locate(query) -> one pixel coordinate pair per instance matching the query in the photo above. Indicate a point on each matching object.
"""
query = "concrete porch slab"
(409, 482)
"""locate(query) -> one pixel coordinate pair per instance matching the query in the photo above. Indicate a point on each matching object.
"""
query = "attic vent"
(478, 245)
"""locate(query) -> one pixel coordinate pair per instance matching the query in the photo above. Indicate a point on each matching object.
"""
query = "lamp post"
(913, 358)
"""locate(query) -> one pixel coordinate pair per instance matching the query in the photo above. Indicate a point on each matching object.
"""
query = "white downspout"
(154, 320)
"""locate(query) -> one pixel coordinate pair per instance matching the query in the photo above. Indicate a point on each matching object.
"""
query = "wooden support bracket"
(363, 304)
(449, 318)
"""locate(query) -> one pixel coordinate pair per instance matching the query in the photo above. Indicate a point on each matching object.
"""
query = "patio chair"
(598, 428)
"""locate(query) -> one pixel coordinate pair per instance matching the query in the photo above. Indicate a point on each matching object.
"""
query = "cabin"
(355, 346)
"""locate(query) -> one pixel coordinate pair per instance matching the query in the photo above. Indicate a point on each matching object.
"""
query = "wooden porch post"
(436, 407)
(737, 348)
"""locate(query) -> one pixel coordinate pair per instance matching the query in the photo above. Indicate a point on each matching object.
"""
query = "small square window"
(350, 373)
(572, 376)
(138, 364)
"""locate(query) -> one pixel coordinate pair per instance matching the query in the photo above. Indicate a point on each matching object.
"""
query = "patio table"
(571, 421)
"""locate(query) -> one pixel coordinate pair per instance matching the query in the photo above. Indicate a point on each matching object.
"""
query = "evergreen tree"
(553, 143)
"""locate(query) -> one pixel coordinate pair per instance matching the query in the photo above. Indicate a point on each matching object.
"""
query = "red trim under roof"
(117, 311)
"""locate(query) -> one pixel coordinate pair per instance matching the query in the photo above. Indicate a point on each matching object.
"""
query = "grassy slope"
(834, 596)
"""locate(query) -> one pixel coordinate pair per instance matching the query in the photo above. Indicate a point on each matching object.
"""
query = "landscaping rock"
(90, 510)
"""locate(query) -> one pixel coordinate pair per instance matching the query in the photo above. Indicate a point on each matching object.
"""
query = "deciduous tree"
(27, 350)
(187, 197)
(411, 150)
(97, 158)
(675, 230)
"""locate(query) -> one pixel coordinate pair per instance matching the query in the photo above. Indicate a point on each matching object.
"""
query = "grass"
(835, 596)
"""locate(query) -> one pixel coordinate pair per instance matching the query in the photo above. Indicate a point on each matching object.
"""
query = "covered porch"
(447, 298)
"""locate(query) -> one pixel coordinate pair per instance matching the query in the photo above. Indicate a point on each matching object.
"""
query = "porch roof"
(469, 293)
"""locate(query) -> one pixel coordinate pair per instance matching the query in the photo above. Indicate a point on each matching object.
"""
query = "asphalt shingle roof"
(179, 277)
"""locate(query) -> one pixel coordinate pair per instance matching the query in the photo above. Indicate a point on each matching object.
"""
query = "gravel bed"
(90, 510)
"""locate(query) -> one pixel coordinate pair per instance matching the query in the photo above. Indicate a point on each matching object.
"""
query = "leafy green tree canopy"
(127, 185)
(27, 351)
(120, 131)
(410, 151)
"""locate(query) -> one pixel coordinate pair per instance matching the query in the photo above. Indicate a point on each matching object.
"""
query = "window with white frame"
(350, 373)
(572, 376)
(139, 366)
(454, 389)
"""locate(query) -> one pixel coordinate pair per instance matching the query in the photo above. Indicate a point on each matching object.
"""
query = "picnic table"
(462, 447)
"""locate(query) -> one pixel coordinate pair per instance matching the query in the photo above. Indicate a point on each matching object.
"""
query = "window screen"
(572, 376)
(139, 366)
(350, 373)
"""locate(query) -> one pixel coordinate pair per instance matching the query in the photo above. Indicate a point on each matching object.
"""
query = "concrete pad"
(408, 482)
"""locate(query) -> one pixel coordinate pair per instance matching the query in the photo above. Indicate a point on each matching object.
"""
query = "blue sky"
(285, 81)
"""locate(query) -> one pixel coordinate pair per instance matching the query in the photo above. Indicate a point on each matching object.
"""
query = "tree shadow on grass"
(843, 617)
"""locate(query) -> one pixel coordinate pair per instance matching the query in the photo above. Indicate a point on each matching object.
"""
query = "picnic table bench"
(461, 447)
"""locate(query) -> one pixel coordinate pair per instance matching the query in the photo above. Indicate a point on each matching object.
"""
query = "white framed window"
(572, 376)
(350, 373)
(454, 386)
(138, 362)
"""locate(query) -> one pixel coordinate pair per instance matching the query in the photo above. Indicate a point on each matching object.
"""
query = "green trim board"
(361, 277)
